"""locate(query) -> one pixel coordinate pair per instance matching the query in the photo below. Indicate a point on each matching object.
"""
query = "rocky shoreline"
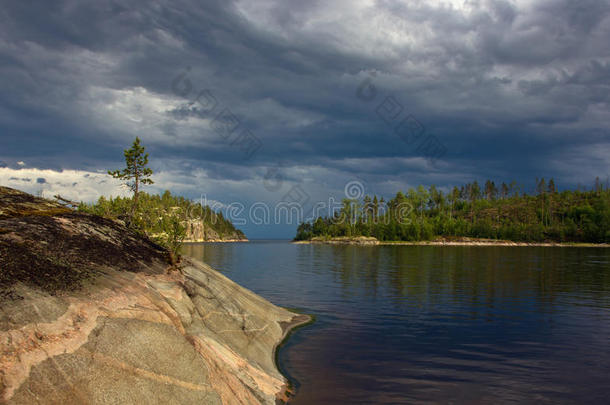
(215, 240)
(92, 313)
(370, 241)
(360, 240)
(198, 231)
(192, 335)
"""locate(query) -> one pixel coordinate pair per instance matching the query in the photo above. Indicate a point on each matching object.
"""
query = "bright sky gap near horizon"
(512, 89)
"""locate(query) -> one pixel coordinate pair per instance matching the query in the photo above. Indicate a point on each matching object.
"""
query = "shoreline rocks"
(192, 336)
(215, 240)
(91, 312)
(344, 240)
(199, 231)
(371, 241)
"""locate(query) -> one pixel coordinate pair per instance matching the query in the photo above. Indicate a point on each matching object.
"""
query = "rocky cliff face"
(199, 231)
(89, 314)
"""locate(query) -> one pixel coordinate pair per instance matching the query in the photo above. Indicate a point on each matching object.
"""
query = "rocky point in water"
(89, 313)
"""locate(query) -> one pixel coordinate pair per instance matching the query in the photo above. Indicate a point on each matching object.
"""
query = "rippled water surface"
(425, 324)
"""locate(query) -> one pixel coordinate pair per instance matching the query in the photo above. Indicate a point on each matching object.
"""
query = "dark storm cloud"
(511, 88)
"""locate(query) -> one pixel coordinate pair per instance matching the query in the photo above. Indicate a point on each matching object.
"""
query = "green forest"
(489, 211)
(156, 214)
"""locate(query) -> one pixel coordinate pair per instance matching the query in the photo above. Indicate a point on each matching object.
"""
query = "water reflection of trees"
(427, 275)
(220, 255)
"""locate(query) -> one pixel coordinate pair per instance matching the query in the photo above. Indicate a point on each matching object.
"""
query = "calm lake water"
(424, 324)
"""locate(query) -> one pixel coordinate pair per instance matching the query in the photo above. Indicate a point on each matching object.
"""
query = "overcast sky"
(273, 100)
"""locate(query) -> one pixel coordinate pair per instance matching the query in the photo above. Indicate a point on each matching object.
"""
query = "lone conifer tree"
(136, 172)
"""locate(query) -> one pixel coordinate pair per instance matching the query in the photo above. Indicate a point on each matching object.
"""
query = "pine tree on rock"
(135, 174)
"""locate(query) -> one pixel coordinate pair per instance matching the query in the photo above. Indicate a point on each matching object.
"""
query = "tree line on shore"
(494, 212)
(156, 214)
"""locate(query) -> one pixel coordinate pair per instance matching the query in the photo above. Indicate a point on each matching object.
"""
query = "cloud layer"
(511, 90)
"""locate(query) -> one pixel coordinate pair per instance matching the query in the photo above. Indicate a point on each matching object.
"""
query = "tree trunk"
(135, 197)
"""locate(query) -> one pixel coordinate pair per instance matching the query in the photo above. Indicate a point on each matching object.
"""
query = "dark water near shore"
(428, 324)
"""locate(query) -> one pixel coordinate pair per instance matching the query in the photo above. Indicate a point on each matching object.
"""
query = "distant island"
(470, 214)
